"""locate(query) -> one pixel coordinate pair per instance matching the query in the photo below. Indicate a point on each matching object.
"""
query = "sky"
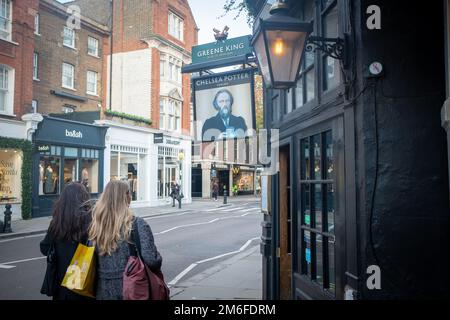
(206, 14)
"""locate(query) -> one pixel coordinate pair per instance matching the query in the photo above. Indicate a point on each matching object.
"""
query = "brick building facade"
(16, 57)
(75, 50)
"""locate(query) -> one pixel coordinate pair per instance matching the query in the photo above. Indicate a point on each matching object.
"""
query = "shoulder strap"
(135, 247)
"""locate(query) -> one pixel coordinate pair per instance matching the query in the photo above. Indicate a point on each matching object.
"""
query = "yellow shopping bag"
(80, 275)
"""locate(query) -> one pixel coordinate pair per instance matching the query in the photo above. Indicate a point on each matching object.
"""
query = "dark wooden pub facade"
(363, 176)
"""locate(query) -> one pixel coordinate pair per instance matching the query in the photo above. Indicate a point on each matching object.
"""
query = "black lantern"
(278, 44)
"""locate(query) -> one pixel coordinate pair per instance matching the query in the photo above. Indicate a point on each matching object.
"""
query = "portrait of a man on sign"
(224, 106)
(229, 125)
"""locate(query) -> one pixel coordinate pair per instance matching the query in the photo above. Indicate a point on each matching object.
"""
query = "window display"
(130, 167)
(243, 181)
(89, 174)
(10, 175)
(49, 175)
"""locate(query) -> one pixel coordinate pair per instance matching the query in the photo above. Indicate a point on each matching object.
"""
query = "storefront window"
(168, 170)
(10, 174)
(129, 172)
(49, 167)
(89, 174)
(244, 181)
(70, 165)
(129, 164)
(160, 177)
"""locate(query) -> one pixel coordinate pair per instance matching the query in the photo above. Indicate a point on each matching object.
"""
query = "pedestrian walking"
(215, 190)
(173, 192)
(110, 231)
(69, 227)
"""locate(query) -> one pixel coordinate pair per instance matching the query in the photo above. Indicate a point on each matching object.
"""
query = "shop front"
(65, 152)
(148, 161)
(243, 180)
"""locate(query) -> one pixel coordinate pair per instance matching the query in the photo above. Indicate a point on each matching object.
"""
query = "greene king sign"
(221, 49)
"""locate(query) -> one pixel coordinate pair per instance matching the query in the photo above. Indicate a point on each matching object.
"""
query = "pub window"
(330, 27)
(317, 258)
(305, 88)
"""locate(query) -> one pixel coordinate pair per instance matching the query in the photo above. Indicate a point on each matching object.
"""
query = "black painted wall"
(401, 151)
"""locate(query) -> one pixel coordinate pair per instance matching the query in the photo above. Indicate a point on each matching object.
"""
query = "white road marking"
(203, 223)
(233, 209)
(193, 265)
(8, 265)
(167, 215)
(182, 274)
(24, 237)
(211, 210)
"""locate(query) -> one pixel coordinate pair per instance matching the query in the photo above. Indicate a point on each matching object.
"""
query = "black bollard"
(1, 226)
(224, 194)
(7, 221)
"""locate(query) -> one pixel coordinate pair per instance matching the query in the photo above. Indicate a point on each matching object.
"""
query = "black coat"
(216, 123)
(64, 253)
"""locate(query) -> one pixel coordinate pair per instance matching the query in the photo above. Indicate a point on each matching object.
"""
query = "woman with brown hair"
(69, 226)
(110, 230)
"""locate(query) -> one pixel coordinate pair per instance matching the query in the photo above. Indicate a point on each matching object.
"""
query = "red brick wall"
(135, 20)
(20, 57)
(52, 54)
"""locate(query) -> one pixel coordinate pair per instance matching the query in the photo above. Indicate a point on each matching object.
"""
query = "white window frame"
(7, 74)
(162, 115)
(36, 66)
(72, 44)
(162, 68)
(72, 87)
(37, 25)
(95, 74)
(6, 33)
(176, 26)
(96, 47)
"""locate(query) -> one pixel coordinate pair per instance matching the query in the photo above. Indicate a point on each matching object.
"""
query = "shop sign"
(158, 138)
(174, 142)
(43, 148)
(219, 50)
(235, 170)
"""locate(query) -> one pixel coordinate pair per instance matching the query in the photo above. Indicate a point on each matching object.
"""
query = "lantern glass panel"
(285, 49)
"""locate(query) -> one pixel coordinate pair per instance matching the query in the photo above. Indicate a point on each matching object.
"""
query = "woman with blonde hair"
(110, 230)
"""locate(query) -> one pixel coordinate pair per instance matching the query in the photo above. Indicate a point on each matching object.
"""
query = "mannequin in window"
(48, 180)
(41, 179)
(85, 179)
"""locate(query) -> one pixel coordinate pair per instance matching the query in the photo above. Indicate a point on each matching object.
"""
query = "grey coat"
(110, 268)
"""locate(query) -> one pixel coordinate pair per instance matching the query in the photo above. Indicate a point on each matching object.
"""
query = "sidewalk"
(23, 228)
(238, 278)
